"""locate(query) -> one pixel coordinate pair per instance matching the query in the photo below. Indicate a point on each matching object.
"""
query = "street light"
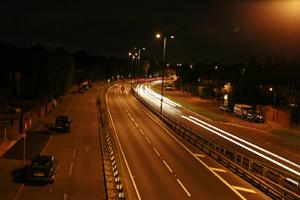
(274, 96)
(274, 100)
(158, 36)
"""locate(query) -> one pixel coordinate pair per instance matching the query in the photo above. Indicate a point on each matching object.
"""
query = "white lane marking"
(198, 159)
(169, 168)
(19, 191)
(186, 191)
(74, 152)
(156, 151)
(71, 168)
(218, 169)
(199, 155)
(148, 140)
(122, 152)
(244, 189)
(136, 124)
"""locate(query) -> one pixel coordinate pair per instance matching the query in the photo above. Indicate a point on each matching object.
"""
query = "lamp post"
(158, 36)
(274, 95)
(274, 100)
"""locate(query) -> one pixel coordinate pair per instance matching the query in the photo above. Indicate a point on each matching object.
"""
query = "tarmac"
(210, 105)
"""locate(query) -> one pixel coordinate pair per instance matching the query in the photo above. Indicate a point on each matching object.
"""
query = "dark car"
(63, 123)
(42, 168)
(225, 108)
(255, 116)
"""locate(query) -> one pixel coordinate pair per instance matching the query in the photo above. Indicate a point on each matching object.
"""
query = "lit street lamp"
(274, 100)
(274, 96)
(158, 36)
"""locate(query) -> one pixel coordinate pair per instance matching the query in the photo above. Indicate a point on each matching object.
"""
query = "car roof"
(42, 159)
(62, 117)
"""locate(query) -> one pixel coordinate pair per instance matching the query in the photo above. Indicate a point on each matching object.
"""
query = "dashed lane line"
(218, 169)
(244, 189)
(197, 158)
(122, 151)
(199, 155)
(186, 191)
(169, 168)
(156, 151)
(148, 140)
(71, 168)
(74, 152)
(158, 154)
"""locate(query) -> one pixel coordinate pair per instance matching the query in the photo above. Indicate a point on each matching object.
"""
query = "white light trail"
(246, 142)
(243, 146)
(148, 93)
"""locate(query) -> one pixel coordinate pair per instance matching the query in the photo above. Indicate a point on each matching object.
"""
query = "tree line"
(36, 72)
(250, 82)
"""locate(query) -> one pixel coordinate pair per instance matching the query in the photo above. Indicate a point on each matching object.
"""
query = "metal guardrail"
(274, 182)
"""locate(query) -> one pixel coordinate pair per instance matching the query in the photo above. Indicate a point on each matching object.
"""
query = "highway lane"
(160, 167)
(247, 142)
(78, 154)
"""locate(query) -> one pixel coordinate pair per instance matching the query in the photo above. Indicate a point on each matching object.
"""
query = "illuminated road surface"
(78, 154)
(234, 141)
(157, 166)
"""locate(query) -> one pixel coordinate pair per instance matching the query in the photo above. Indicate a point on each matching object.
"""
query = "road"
(78, 154)
(156, 165)
(251, 143)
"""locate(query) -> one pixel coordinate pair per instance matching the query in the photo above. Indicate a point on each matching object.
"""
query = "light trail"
(246, 142)
(148, 93)
(243, 146)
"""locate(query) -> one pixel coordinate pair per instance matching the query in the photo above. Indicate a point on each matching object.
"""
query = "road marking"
(136, 124)
(244, 189)
(147, 139)
(198, 159)
(169, 168)
(142, 131)
(19, 191)
(156, 151)
(186, 191)
(218, 169)
(199, 155)
(122, 152)
(65, 196)
(74, 152)
(71, 168)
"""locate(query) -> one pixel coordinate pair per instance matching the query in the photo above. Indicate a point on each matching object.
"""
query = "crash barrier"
(274, 182)
(112, 178)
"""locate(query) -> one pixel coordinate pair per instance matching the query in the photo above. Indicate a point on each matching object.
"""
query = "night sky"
(207, 31)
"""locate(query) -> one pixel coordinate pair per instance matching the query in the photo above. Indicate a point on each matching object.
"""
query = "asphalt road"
(78, 154)
(251, 143)
(156, 165)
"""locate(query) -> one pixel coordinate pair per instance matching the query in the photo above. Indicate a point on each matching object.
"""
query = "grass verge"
(200, 110)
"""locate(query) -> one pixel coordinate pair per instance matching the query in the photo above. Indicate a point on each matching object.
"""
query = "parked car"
(241, 110)
(63, 123)
(225, 108)
(255, 116)
(42, 168)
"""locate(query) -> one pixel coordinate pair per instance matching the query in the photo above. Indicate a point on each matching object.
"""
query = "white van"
(242, 109)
